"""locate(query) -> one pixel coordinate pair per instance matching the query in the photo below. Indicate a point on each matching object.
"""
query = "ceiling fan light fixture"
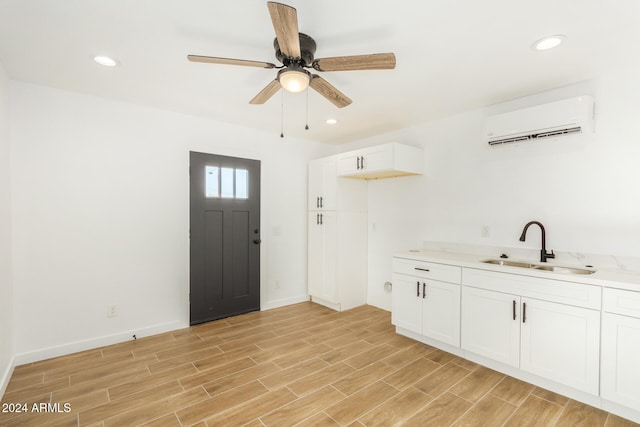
(294, 79)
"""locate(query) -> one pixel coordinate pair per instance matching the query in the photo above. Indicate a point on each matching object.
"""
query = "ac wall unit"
(556, 119)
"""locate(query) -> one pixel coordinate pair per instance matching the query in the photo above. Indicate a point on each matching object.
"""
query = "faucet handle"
(551, 255)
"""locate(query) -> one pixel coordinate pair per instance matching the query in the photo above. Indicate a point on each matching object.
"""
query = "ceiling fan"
(296, 52)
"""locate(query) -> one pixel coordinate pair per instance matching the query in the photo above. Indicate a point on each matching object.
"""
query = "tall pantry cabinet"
(337, 233)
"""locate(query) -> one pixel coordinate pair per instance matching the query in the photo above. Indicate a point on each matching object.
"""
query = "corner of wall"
(7, 348)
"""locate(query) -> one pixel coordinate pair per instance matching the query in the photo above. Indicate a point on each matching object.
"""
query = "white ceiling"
(452, 56)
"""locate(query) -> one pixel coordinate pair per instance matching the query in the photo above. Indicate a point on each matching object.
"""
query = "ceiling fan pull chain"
(306, 126)
(281, 113)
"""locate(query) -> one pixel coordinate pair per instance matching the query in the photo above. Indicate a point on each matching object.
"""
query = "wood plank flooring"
(302, 365)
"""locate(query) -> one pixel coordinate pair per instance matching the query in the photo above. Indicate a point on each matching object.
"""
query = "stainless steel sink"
(508, 263)
(564, 270)
(552, 268)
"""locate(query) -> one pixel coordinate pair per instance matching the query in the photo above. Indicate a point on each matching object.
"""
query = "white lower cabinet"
(561, 342)
(322, 255)
(555, 341)
(406, 304)
(578, 339)
(424, 305)
(490, 325)
(621, 347)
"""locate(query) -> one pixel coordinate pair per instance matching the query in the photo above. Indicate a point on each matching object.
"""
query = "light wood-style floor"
(302, 365)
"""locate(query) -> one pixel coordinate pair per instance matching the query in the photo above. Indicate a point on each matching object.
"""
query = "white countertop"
(602, 277)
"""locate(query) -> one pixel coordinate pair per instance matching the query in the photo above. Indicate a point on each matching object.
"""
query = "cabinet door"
(561, 342)
(377, 158)
(349, 164)
(322, 184)
(406, 303)
(441, 311)
(322, 256)
(488, 325)
(620, 368)
(366, 160)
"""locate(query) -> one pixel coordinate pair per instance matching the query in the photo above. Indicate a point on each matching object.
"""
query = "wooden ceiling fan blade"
(285, 24)
(375, 61)
(327, 90)
(229, 61)
(265, 94)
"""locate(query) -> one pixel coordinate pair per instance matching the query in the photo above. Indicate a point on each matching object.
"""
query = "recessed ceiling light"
(548, 42)
(331, 121)
(106, 61)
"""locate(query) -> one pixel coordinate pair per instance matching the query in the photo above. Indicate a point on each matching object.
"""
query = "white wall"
(585, 191)
(6, 297)
(100, 216)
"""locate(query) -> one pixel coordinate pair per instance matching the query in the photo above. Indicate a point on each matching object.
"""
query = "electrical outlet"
(485, 231)
(112, 310)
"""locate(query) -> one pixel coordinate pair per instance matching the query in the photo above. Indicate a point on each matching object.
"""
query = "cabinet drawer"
(427, 270)
(620, 301)
(571, 293)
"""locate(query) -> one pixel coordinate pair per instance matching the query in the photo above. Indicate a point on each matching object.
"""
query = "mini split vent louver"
(554, 120)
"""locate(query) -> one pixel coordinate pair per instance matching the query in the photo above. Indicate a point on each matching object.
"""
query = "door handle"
(257, 241)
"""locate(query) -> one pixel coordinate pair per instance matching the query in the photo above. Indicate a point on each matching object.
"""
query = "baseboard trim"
(6, 376)
(284, 302)
(74, 347)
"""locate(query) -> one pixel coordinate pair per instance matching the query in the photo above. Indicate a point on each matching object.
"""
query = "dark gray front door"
(225, 236)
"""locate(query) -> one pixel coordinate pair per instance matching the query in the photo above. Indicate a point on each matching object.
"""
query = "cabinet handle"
(320, 219)
(358, 162)
(524, 312)
(421, 269)
(361, 162)
(424, 290)
(418, 288)
(317, 202)
(514, 309)
(320, 201)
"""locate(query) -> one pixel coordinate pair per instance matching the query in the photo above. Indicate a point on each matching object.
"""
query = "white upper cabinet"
(322, 184)
(383, 161)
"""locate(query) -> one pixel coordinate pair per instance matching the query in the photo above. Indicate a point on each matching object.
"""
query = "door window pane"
(242, 184)
(226, 179)
(229, 183)
(212, 188)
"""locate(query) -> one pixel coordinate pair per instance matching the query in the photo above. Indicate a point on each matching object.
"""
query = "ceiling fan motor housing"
(307, 52)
